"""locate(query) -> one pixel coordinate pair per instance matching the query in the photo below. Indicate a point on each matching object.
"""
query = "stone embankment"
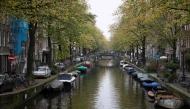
(174, 87)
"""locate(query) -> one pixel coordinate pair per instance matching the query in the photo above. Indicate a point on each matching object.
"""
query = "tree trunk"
(143, 50)
(30, 58)
(174, 52)
(71, 53)
(49, 53)
(137, 51)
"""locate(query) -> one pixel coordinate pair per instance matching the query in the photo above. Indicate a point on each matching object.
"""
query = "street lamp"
(157, 58)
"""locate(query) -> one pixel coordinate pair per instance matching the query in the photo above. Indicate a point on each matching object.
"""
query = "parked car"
(42, 71)
(60, 65)
(77, 59)
(6, 82)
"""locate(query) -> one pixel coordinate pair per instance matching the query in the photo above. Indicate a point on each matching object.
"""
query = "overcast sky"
(104, 10)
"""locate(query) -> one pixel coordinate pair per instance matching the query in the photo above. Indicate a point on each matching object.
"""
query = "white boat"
(168, 100)
(126, 66)
(67, 79)
(141, 75)
(122, 62)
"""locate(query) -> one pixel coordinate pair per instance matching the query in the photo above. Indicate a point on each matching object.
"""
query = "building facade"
(5, 40)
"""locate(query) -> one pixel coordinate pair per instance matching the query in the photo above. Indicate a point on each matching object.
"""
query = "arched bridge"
(106, 55)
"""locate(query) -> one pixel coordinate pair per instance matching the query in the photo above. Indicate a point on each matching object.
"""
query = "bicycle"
(19, 81)
(23, 81)
(188, 87)
(16, 81)
(177, 79)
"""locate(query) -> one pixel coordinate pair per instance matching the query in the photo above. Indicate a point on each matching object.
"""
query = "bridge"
(106, 55)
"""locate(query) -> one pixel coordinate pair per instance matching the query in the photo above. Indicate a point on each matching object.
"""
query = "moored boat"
(67, 79)
(141, 75)
(145, 79)
(156, 89)
(82, 68)
(134, 74)
(87, 64)
(130, 70)
(160, 88)
(55, 85)
(168, 100)
(150, 84)
(151, 94)
(122, 62)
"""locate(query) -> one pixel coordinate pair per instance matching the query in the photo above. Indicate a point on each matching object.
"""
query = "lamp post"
(157, 58)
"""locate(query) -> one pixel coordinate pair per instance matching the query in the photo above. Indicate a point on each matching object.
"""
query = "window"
(8, 37)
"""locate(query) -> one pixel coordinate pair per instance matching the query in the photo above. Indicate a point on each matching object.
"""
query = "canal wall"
(9, 100)
(176, 88)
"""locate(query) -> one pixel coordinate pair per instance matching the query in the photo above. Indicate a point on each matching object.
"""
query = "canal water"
(100, 88)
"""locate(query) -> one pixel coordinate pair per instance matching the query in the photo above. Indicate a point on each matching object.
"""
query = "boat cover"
(54, 84)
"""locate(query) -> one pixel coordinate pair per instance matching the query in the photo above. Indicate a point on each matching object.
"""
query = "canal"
(100, 88)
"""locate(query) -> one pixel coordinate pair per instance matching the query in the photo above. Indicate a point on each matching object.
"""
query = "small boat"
(141, 75)
(82, 68)
(160, 88)
(77, 71)
(168, 100)
(125, 66)
(145, 79)
(66, 78)
(151, 94)
(87, 64)
(149, 84)
(130, 70)
(55, 85)
(134, 74)
(73, 73)
(156, 89)
(122, 62)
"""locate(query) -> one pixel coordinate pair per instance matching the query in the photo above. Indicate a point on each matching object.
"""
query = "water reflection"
(101, 88)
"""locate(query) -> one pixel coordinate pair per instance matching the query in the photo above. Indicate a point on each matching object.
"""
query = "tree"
(40, 12)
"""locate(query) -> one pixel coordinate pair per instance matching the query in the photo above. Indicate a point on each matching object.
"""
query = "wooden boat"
(55, 85)
(168, 100)
(151, 94)
(156, 89)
